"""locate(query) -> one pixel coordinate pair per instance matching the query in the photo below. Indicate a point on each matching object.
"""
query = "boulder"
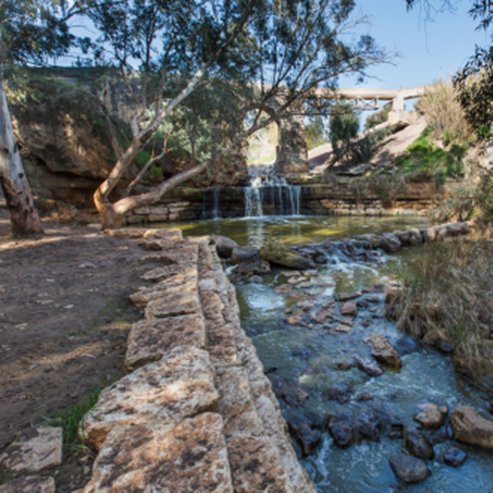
(418, 445)
(472, 428)
(308, 438)
(406, 345)
(369, 366)
(383, 351)
(190, 456)
(179, 385)
(408, 469)
(367, 426)
(242, 253)
(349, 309)
(341, 429)
(279, 254)
(34, 449)
(454, 457)
(390, 243)
(347, 296)
(224, 246)
(431, 415)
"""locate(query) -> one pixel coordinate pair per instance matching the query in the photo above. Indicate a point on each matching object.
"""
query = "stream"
(309, 350)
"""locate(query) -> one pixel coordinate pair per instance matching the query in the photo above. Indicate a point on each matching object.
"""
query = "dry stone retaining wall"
(196, 412)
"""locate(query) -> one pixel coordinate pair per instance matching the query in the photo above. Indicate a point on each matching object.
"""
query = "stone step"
(178, 284)
(149, 340)
(188, 457)
(181, 303)
(179, 385)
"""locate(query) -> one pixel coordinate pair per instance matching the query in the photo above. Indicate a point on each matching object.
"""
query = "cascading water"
(270, 194)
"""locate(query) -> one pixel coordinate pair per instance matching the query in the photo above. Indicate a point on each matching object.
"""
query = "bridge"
(291, 150)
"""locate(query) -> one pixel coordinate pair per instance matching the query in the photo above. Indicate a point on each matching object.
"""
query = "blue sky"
(428, 50)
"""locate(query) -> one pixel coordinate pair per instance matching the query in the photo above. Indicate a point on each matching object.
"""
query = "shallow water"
(311, 355)
(296, 229)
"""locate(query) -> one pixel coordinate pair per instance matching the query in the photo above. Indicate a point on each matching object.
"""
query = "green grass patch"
(71, 417)
(425, 160)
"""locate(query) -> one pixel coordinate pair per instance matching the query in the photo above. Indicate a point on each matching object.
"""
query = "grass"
(448, 296)
(71, 417)
(424, 160)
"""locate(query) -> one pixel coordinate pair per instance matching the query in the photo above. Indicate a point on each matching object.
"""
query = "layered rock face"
(197, 412)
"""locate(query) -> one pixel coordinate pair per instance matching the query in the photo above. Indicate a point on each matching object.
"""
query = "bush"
(453, 301)
(444, 114)
(424, 160)
(343, 129)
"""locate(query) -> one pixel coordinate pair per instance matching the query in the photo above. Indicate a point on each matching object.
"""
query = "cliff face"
(66, 130)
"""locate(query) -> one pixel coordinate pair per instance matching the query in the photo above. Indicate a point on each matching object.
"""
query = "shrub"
(445, 116)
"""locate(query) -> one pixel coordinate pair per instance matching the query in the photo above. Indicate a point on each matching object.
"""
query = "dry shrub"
(448, 296)
(444, 114)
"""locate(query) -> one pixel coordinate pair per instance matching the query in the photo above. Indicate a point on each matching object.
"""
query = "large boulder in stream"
(224, 245)
(472, 428)
(279, 254)
(408, 469)
(384, 352)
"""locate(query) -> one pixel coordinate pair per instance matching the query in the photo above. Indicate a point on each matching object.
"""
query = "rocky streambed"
(369, 408)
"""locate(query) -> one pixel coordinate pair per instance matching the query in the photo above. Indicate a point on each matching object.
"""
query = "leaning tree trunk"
(23, 214)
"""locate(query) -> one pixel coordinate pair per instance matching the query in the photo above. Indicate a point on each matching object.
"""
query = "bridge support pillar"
(292, 152)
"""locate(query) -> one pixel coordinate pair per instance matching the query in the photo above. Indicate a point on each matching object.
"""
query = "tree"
(264, 55)
(30, 30)
(474, 82)
(315, 133)
(344, 128)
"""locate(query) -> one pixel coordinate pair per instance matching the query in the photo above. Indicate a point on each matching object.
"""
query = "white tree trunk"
(23, 214)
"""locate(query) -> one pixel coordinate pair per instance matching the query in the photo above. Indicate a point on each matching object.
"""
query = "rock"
(242, 253)
(347, 296)
(308, 438)
(280, 254)
(345, 328)
(160, 273)
(431, 416)
(168, 305)
(367, 426)
(34, 449)
(340, 392)
(255, 465)
(418, 445)
(289, 391)
(148, 340)
(179, 385)
(29, 484)
(459, 228)
(369, 366)
(454, 457)
(472, 428)
(349, 309)
(190, 456)
(408, 469)
(341, 429)
(406, 345)
(251, 267)
(383, 351)
(390, 243)
(224, 245)
(322, 315)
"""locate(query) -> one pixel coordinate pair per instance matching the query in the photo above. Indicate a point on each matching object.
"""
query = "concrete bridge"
(292, 153)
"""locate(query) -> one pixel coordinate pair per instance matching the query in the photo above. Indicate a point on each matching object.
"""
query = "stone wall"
(196, 412)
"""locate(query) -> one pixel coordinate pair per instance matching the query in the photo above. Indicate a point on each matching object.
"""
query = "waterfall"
(216, 193)
(270, 194)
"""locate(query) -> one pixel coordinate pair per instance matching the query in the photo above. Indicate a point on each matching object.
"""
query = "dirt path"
(64, 319)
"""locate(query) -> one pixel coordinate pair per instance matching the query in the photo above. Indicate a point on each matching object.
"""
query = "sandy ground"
(64, 319)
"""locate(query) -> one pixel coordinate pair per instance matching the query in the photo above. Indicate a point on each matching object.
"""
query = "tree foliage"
(474, 81)
(343, 128)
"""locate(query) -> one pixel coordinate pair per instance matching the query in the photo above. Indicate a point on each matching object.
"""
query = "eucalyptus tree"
(30, 30)
(474, 81)
(229, 56)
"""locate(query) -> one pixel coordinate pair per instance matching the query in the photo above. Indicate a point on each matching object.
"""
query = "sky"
(427, 49)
